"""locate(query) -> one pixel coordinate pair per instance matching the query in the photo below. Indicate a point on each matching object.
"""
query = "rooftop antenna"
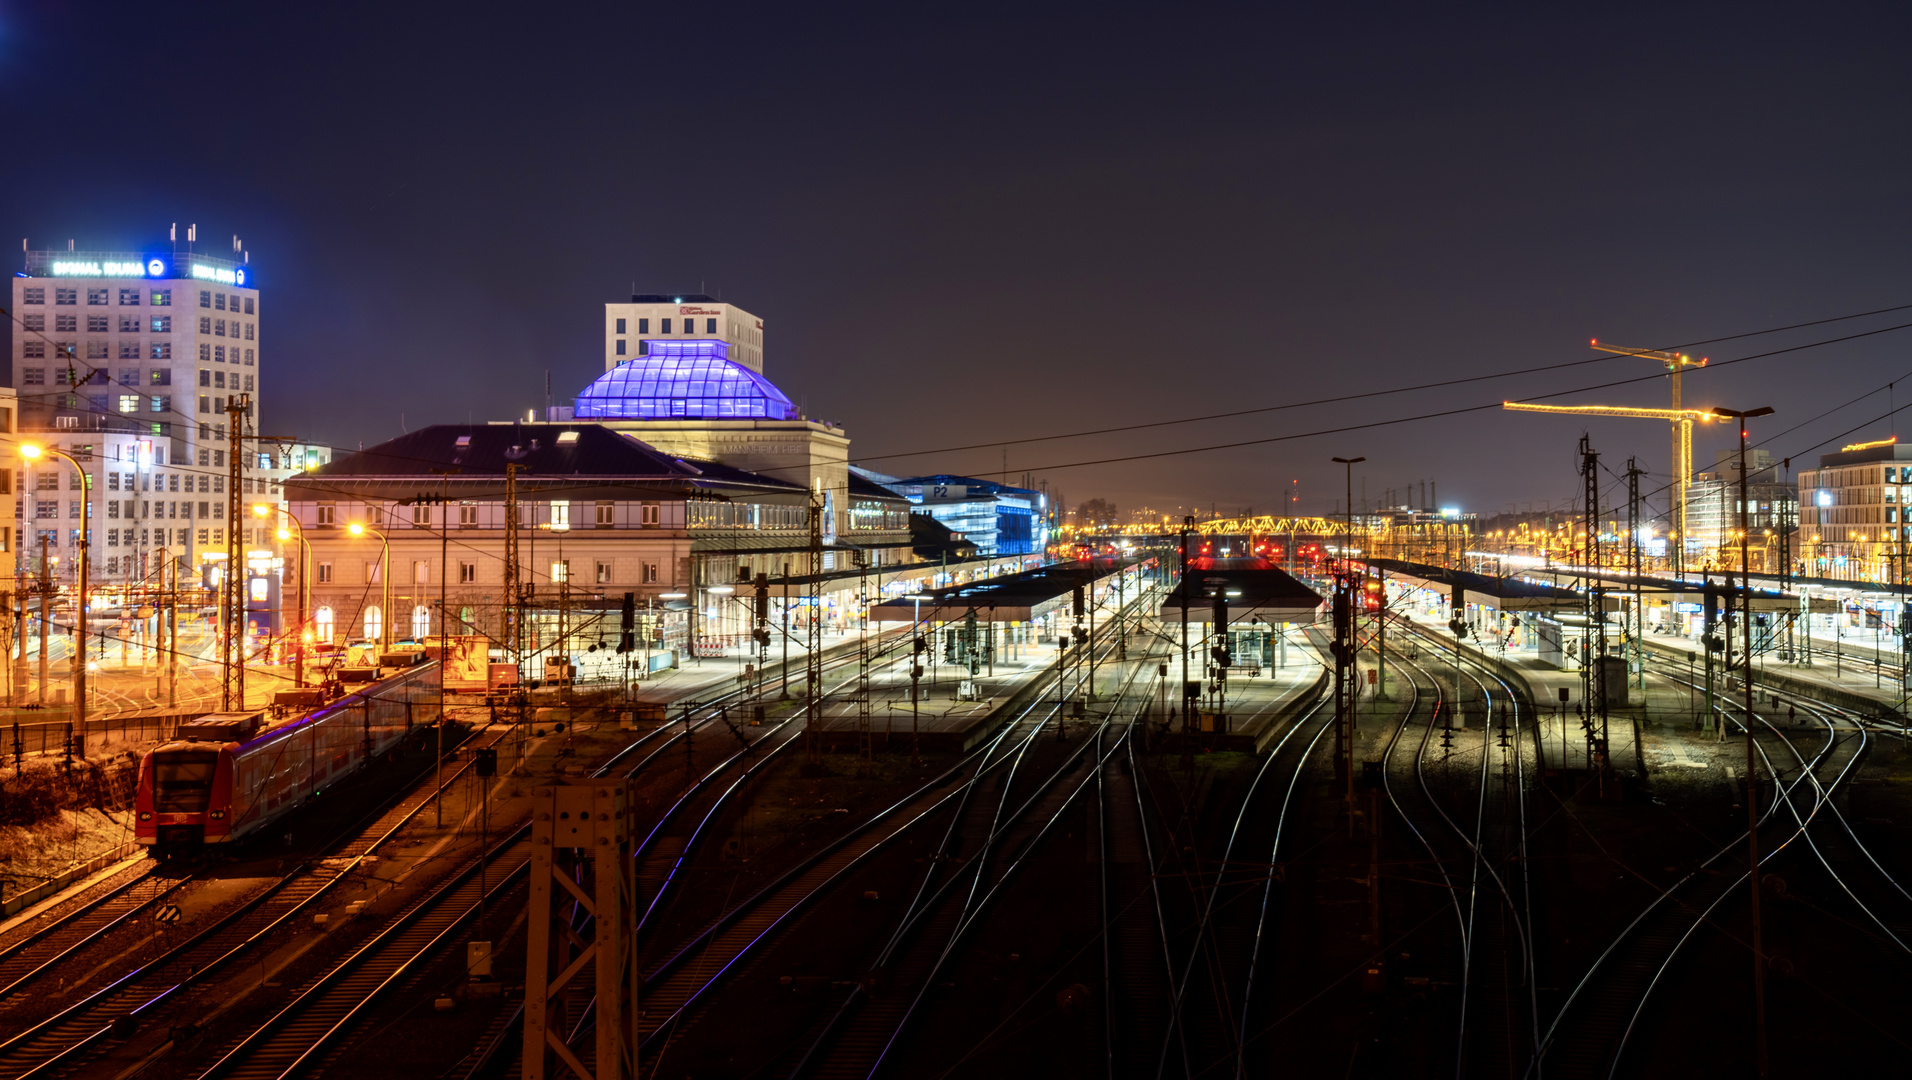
(172, 233)
(547, 393)
(69, 245)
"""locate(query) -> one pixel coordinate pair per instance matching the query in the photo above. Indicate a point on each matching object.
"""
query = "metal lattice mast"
(813, 659)
(511, 622)
(232, 590)
(1636, 566)
(863, 719)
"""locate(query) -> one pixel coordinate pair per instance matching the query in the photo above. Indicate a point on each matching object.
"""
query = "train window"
(183, 781)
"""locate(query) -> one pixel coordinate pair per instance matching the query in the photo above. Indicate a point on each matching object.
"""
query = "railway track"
(678, 988)
(64, 1040)
(1588, 1035)
(864, 1032)
(1483, 857)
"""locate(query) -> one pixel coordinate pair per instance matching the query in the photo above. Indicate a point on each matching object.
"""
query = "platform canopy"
(1011, 598)
(1253, 589)
(1503, 594)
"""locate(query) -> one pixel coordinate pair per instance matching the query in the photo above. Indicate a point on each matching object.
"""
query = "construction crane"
(1674, 363)
(1682, 420)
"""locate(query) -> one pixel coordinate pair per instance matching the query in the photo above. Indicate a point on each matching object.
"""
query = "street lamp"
(1752, 809)
(385, 578)
(32, 452)
(298, 641)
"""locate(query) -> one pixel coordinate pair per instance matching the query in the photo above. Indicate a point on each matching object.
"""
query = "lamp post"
(385, 578)
(298, 640)
(31, 452)
(1752, 810)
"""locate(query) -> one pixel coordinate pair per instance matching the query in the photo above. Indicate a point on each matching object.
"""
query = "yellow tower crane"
(1682, 420)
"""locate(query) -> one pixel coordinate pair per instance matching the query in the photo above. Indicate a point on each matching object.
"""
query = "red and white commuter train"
(229, 775)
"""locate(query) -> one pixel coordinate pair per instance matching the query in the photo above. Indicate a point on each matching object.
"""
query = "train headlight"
(219, 815)
(146, 815)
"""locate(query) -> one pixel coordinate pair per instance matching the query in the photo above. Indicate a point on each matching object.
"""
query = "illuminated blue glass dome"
(687, 380)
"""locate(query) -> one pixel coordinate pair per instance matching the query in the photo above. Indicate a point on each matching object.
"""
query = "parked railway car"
(229, 775)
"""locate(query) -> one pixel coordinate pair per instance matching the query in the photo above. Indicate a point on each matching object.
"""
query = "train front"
(185, 786)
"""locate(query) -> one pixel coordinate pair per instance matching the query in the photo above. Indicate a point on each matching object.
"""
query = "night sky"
(965, 224)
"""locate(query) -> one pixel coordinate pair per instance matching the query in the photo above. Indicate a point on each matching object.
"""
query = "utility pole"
(1752, 783)
(1593, 647)
(1345, 647)
(1635, 568)
(1188, 523)
(511, 627)
(232, 590)
(813, 660)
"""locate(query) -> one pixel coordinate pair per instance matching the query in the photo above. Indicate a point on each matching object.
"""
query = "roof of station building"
(458, 456)
(692, 379)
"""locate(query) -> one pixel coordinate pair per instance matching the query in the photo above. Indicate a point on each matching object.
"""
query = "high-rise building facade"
(629, 329)
(129, 362)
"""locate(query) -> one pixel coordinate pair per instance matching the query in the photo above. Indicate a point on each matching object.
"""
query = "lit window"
(129, 403)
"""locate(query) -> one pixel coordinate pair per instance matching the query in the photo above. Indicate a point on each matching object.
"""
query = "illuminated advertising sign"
(224, 277)
(89, 268)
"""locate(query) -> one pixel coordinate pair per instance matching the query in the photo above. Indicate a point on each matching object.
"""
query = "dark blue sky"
(978, 223)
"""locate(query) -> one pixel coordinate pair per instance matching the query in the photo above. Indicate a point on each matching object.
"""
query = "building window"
(560, 514)
(620, 329)
(248, 331)
(467, 573)
(422, 516)
(219, 328)
(205, 379)
(129, 350)
(421, 622)
(33, 296)
(205, 324)
(606, 513)
(710, 326)
(323, 515)
(219, 301)
(205, 298)
(129, 403)
(248, 357)
(129, 324)
(129, 376)
(66, 297)
(162, 298)
(643, 326)
(666, 324)
(97, 350)
(162, 324)
(421, 572)
(129, 297)
(248, 384)
(218, 354)
(325, 573)
(66, 324)
(650, 573)
(162, 403)
(649, 515)
(560, 571)
(35, 323)
(603, 573)
(372, 568)
(620, 346)
(467, 517)
(162, 350)
(248, 305)
(33, 376)
(97, 297)
(218, 377)
(374, 623)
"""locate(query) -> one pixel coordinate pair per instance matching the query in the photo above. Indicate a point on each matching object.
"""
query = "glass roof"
(689, 379)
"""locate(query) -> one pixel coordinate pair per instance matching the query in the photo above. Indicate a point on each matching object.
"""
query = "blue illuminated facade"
(997, 518)
(691, 380)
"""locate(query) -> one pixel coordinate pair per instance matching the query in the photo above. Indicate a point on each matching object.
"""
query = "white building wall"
(702, 320)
